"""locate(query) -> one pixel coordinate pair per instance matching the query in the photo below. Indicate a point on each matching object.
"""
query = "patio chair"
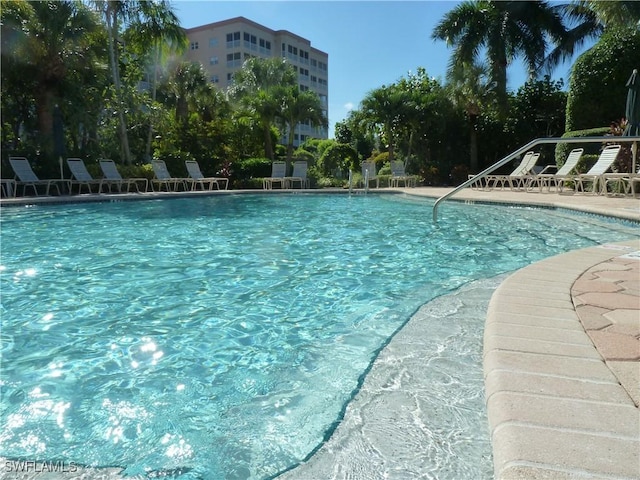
(199, 179)
(518, 177)
(112, 177)
(164, 179)
(299, 175)
(563, 174)
(81, 177)
(594, 180)
(27, 178)
(369, 174)
(398, 175)
(278, 172)
(7, 188)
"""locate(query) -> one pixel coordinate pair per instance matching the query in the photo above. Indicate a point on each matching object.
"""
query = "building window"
(234, 60)
(303, 88)
(213, 61)
(265, 47)
(322, 66)
(233, 40)
(314, 63)
(250, 41)
(213, 42)
(215, 79)
(194, 46)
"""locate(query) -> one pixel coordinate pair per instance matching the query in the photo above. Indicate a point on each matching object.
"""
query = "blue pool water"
(221, 337)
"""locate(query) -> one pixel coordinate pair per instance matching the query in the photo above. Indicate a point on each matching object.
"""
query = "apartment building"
(222, 47)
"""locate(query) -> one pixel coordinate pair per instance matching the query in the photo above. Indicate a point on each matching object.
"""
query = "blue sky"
(370, 43)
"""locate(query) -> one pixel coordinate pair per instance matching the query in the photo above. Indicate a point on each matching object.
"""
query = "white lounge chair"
(27, 178)
(112, 177)
(593, 180)
(369, 174)
(564, 173)
(164, 179)
(299, 175)
(278, 172)
(81, 177)
(398, 175)
(518, 177)
(199, 179)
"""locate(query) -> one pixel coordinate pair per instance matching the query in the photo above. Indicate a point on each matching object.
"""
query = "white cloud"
(348, 106)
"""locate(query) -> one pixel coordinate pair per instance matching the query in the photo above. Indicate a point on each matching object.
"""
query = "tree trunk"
(473, 145)
(268, 147)
(154, 81)
(124, 139)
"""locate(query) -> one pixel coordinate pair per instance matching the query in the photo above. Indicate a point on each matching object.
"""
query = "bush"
(563, 149)
(249, 173)
(597, 88)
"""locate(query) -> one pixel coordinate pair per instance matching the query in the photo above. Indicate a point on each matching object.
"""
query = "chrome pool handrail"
(528, 146)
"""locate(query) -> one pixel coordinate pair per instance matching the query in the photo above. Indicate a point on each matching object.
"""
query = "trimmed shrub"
(597, 89)
(563, 149)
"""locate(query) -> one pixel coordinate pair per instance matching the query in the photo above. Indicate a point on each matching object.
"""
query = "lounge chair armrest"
(548, 167)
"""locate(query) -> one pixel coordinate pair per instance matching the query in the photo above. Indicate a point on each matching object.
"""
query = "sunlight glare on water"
(221, 337)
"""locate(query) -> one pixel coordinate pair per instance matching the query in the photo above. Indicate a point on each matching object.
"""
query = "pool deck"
(561, 351)
(562, 355)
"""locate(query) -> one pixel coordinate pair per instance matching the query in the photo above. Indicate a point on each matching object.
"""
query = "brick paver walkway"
(607, 301)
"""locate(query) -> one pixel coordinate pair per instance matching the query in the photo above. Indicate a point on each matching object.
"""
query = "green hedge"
(563, 149)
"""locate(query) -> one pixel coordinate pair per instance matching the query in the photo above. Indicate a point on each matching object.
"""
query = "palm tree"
(471, 89)
(138, 12)
(384, 109)
(260, 86)
(589, 18)
(503, 30)
(55, 38)
(158, 30)
(301, 107)
(187, 84)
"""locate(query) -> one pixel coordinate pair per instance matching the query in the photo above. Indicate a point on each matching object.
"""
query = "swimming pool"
(221, 337)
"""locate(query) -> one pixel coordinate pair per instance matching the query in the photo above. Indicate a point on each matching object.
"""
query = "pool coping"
(556, 404)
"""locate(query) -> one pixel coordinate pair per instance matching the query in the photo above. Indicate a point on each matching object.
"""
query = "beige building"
(222, 47)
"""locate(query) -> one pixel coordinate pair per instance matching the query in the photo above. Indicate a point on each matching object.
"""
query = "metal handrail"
(523, 149)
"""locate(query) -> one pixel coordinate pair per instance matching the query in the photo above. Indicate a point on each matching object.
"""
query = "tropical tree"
(503, 30)
(117, 14)
(157, 34)
(186, 88)
(260, 87)
(298, 107)
(42, 43)
(383, 110)
(470, 88)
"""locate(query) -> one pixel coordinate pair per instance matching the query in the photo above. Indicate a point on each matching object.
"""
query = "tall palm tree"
(588, 19)
(260, 86)
(503, 30)
(301, 107)
(116, 14)
(471, 89)
(187, 84)
(158, 32)
(383, 109)
(50, 39)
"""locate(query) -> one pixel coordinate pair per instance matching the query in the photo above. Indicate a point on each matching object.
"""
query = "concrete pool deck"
(562, 352)
(562, 355)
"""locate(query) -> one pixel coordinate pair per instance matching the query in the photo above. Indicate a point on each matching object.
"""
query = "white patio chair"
(112, 177)
(27, 177)
(278, 172)
(193, 168)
